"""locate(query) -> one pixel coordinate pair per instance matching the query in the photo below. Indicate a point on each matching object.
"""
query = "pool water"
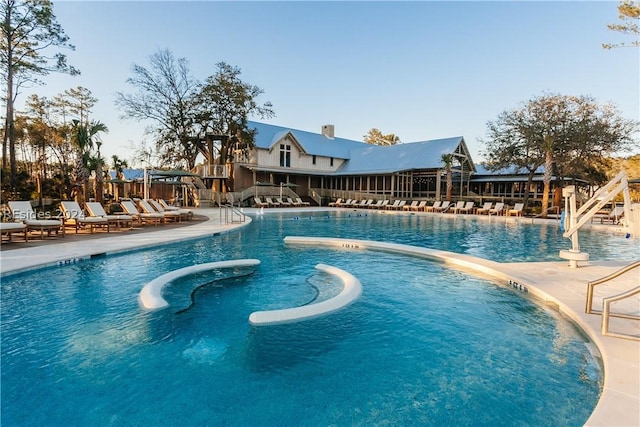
(424, 344)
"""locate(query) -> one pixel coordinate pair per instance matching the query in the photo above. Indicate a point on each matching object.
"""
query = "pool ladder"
(606, 302)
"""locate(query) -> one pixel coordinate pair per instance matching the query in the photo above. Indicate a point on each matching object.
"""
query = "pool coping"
(554, 283)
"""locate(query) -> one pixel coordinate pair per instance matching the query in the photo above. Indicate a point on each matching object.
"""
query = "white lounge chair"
(432, 208)
(143, 217)
(294, 203)
(517, 210)
(421, 206)
(257, 202)
(95, 209)
(148, 207)
(336, 203)
(394, 205)
(158, 207)
(74, 216)
(184, 212)
(10, 228)
(468, 208)
(283, 202)
(458, 206)
(613, 216)
(497, 210)
(413, 204)
(376, 205)
(271, 202)
(484, 210)
(302, 202)
(443, 207)
(21, 211)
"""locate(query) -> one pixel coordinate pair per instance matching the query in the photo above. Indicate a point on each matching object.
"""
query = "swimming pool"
(423, 345)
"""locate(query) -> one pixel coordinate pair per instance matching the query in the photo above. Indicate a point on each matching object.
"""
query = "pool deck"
(553, 283)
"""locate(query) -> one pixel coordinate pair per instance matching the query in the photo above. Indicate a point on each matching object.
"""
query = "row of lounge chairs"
(460, 207)
(25, 220)
(275, 202)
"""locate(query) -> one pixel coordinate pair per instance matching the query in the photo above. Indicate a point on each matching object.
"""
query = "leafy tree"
(375, 137)
(77, 102)
(225, 103)
(164, 96)
(576, 132)
(629, 14)
(29, 32)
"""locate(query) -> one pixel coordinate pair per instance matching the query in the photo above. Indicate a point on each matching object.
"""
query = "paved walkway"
(554, 283)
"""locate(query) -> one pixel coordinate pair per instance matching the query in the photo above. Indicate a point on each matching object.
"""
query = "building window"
(332, 161)
(285, 156)
(313, 159)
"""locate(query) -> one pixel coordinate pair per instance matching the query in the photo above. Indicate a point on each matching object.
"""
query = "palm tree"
(118, 166)
(447, 160)
(84, 139)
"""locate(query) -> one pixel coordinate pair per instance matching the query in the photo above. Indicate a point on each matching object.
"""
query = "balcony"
(212, 171)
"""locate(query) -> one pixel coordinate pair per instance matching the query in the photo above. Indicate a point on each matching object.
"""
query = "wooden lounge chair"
(382, 204)
(443, 207)
(143, 217)
(74, 215)
(302, 202)
(271, 203)
(516, 211)
(613, 216)
(497, 210)
(21, 211)
(167, 216)
(484, 210)
(283, 202)
(459, 205)
(294, 203)
(468, 208)
(421, 206)
(10, 228)
(184, 212)
(257, 202)
(432, 208)
(413, 204)
(394, 205)
(96, 210)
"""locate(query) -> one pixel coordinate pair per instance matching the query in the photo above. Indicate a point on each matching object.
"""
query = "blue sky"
(421, 70)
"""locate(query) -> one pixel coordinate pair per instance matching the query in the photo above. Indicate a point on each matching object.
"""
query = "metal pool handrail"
(591, 285)
(606, 313)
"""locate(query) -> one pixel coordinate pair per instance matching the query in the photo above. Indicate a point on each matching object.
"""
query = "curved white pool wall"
(150, 296)
(351, 291)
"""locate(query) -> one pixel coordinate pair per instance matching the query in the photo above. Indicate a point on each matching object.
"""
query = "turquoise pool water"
(424, 344)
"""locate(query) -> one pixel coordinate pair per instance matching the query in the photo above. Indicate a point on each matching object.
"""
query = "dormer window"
(332, 161)
(285, 155)
(313, 159)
